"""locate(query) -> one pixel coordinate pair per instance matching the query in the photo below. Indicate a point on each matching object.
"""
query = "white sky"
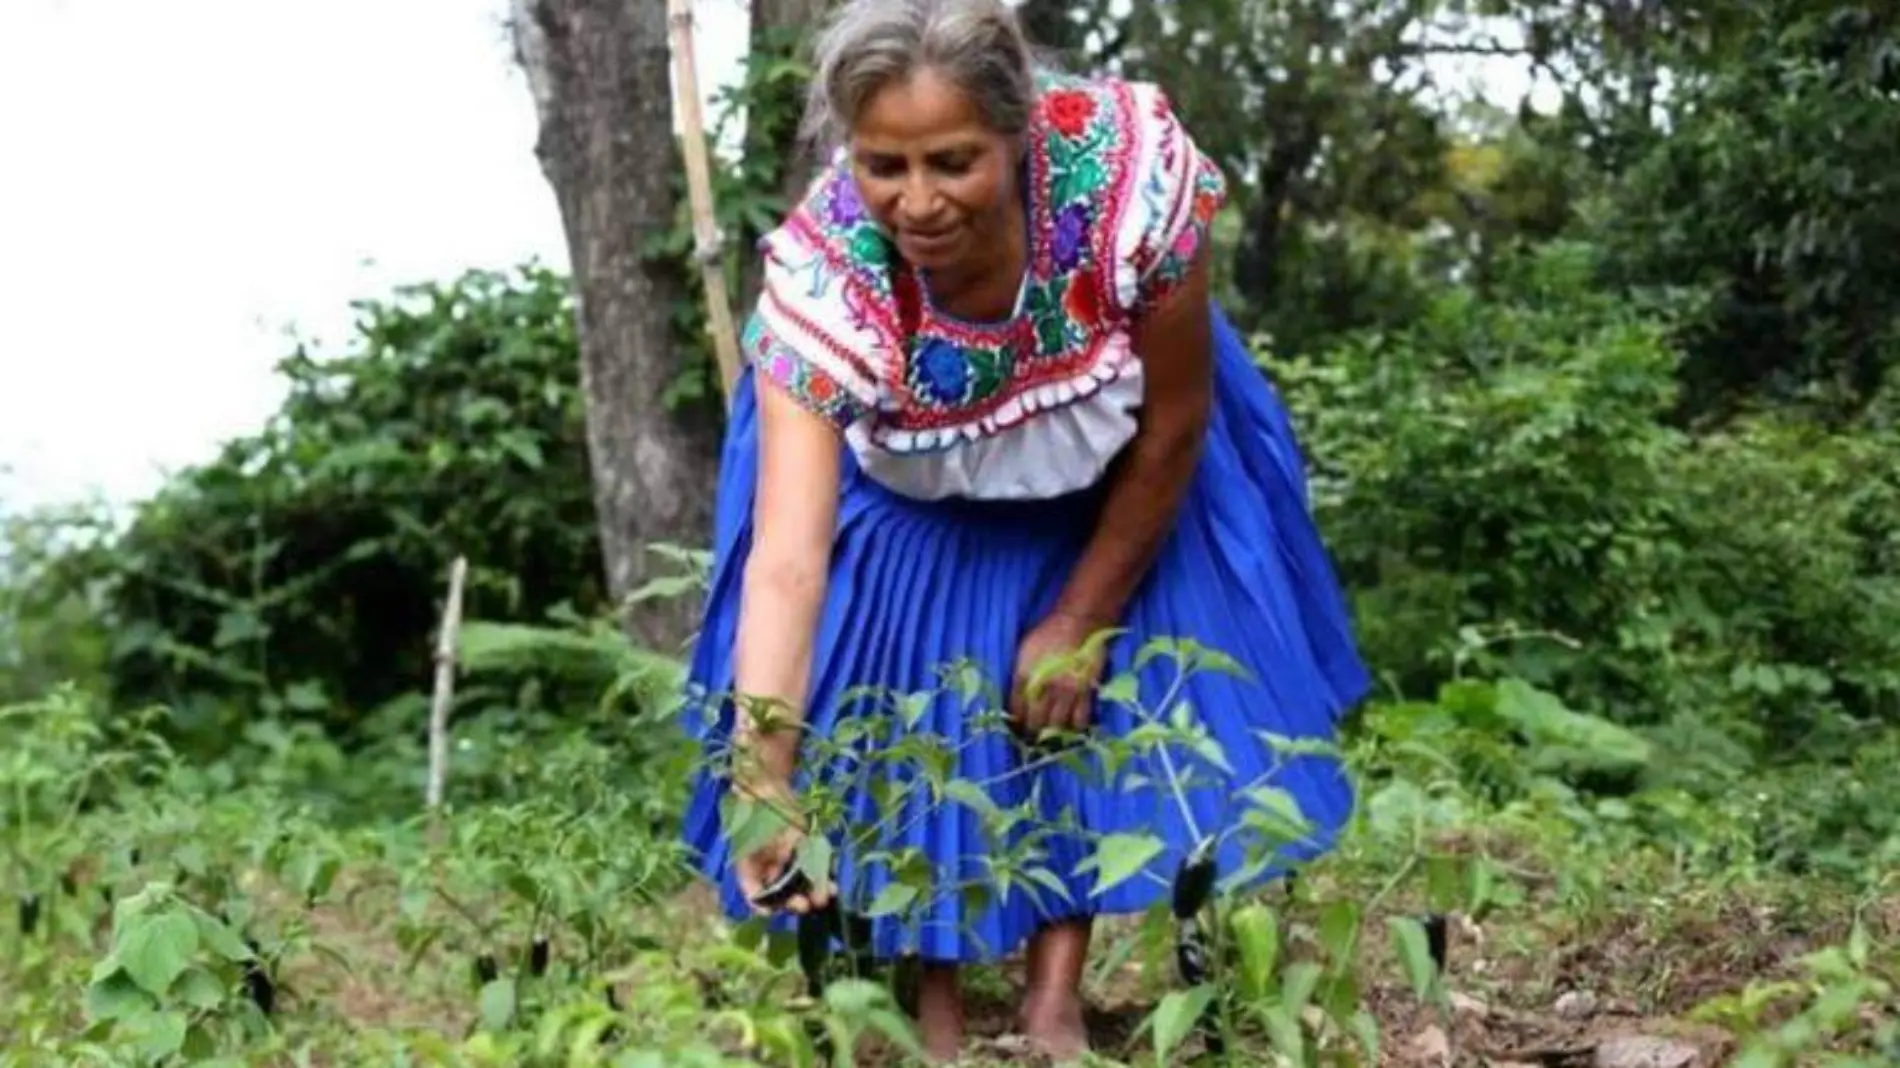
(184, 181)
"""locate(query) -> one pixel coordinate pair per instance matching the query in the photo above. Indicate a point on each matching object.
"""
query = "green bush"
(1775, 186)
(1501, 464)
(300, 573)
(51, 624)
(1503, 490)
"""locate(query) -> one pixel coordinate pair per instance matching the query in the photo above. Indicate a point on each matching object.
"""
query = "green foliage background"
(1597, 400)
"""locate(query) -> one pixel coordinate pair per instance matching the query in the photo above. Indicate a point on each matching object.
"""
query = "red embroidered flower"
(1206, 205)
(821, 386)
(1083, 300)
(1069, 111)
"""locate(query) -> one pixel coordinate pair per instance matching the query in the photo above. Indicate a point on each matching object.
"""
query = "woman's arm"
(794, 515)
(1175, 344)
(793, 521)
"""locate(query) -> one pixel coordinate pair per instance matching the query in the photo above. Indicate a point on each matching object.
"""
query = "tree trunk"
(600, 74)
(779, 27)
(1257, 257)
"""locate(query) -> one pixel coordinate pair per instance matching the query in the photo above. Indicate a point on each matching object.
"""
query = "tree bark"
(600, 74)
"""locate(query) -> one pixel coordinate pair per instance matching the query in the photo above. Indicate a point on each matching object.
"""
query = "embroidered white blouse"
(1033, 406)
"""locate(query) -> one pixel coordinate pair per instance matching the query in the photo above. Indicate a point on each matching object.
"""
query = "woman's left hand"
(1057, 669)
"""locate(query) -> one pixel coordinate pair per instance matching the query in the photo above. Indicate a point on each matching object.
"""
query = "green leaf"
(814, 859)
(855, 997)
(307, 696)
(1284, 746)
(1175, 1017)
(238, 626)
(159, 1034)
(200, 1049)
(1339, 930)
(751, 824)
(1482, 894)
(1119, 858)
(1566, 741)
(970, 795)
(1298, 984)
(522, 884)
(892, 900)
(1365, 1027)
(1123, 689)
(115, 997)
(1446, 881)
(525, 449)
(1285, 1032)
(200, 989)
(1256, 934)
(1276, 813)
(221, 940)
(913, 708)
(896, 1027)
(1051, 882)
(1339, 994)
(498, 1004)
(1216, 662)
(157, 950)
(1415, 954)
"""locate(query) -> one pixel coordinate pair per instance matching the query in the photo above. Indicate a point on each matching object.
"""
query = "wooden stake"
(446, 643)
(699, 188)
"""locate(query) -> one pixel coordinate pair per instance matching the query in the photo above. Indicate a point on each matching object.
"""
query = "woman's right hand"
(766, 864)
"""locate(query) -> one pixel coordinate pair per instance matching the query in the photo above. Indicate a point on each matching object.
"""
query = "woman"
(991, 411)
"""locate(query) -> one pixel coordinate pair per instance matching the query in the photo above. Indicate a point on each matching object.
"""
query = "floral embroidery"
(941, 370)
(847, 206)
(1085, 132)
(1173, 267)
(937, 378)
(1079, 174)
(1070, 111)
(1046, 309)
(807, 383)
(870, 248)
(1083, 300)
(1071, 233)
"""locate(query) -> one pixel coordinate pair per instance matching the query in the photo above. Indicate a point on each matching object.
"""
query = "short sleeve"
(802, 376)
(808, 333)
(1178, 190)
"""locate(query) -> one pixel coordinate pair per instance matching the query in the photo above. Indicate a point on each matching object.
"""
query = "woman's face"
(938, 180)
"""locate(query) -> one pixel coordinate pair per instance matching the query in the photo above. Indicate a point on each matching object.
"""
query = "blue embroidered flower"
(846, 207)
(941, 370)
(1070, 231)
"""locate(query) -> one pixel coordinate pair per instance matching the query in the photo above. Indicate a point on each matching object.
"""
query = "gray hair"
(977, 45)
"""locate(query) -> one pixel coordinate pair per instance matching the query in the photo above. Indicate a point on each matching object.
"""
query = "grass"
(1593, 922)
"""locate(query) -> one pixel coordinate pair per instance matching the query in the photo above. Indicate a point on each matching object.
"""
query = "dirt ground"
(1619, 994)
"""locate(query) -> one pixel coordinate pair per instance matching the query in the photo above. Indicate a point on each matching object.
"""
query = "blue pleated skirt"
(922, 591)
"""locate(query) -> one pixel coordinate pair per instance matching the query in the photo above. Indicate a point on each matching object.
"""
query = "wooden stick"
(709, 252)
(446, 643)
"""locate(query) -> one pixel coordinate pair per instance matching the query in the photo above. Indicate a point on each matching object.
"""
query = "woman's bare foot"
(1052, 1021)
(1052, 1006)
(940, 1012)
